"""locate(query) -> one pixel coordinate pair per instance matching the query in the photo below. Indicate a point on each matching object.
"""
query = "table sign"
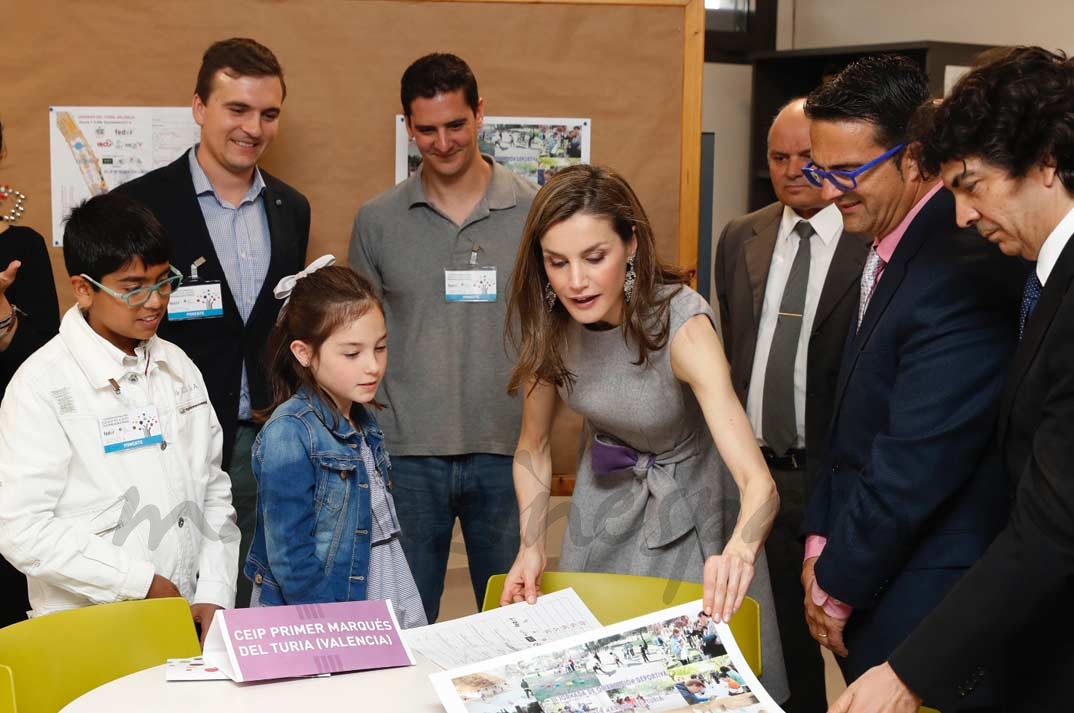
(305, 640)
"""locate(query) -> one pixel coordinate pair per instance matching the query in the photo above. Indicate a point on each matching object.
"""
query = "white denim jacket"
(88, 527)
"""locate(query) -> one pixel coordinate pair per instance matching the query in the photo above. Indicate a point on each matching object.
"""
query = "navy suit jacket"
(909, 492)
(1011, 619)
(220, 347)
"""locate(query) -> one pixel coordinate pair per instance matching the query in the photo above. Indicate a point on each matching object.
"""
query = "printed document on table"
(674, 660)
(497, 632)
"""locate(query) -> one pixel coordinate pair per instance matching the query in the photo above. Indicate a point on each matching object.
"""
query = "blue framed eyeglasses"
(140, 295)
(844, 180)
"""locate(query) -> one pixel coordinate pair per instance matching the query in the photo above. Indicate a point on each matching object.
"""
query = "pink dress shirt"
(885, 248)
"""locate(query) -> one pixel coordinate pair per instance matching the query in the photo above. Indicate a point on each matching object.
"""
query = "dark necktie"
(1030, 295)
(778, 422)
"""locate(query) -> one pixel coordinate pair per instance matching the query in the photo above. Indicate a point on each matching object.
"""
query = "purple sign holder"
(265, 643)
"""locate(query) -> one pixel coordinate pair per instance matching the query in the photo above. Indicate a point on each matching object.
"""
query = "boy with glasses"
(109, 449)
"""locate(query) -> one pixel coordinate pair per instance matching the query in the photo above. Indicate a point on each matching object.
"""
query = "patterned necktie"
(1030, 295)
(778, 423)
(874, 265)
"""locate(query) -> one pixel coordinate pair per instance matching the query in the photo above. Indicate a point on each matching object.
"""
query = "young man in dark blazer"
(241, 230)
(786, 379)
(1003, 141)
(908, 493)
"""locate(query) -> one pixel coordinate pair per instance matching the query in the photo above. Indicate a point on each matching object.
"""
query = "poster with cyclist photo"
(531, 147)
(677, 659)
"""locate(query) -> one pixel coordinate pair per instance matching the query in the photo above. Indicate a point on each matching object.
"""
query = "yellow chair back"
(53, 659)
(7, 691)
(616, 597)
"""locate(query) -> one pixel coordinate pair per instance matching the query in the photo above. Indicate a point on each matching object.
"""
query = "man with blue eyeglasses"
(110, 453)
(908, 494)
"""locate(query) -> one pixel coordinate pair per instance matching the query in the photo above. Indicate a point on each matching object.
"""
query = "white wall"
(833, 23)
(804, 24)
(725, 110)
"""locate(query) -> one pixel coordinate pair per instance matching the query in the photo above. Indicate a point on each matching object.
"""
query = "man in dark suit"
(239, 230)
(1004, 144)
(908, 494)
(784, 315)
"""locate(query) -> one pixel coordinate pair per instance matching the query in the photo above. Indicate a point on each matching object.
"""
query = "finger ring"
(824, 636)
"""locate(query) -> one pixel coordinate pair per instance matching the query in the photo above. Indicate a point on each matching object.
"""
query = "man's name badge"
(200, 300)
(472, 284)
(134, 428)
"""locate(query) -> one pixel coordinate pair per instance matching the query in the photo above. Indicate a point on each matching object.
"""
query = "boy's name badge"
(472, 284)
(201, 300)
(134, 428)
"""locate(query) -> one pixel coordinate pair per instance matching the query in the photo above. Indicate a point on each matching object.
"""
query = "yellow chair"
(54, 659)
(615, 597)
(7, 691)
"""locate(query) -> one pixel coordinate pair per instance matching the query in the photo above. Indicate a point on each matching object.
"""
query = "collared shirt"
(403, 244)
(1053, 247)
(885, 244)
(885, 247)
(240, 235)
(828, 224)
(89, 527)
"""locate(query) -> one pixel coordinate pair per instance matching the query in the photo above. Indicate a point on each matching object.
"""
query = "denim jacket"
(312, 537)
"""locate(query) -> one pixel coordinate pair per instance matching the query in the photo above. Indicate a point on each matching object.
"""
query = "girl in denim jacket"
(326, 524)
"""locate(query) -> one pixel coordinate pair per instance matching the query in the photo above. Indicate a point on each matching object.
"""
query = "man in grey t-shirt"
(440, 247)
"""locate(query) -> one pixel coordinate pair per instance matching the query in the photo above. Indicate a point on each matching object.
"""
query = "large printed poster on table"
(673, 660)
(531, 147)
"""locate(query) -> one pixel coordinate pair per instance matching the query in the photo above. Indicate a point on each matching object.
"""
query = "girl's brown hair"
(538, 335)
(320, 303)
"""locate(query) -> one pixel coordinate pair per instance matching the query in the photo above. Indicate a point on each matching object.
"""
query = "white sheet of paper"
(497, 632)
(192, 669)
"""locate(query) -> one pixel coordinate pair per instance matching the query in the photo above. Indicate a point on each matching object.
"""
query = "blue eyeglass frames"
(844, 180)
(140, 295)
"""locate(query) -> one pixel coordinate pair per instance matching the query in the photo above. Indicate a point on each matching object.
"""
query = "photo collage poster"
(677, 660)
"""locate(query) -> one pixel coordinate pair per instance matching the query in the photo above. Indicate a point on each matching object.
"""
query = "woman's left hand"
(726, 580)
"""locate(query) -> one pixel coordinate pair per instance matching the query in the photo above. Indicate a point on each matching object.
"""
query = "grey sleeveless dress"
(663, 520)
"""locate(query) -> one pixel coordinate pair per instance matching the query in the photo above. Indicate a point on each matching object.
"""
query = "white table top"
(394, 689)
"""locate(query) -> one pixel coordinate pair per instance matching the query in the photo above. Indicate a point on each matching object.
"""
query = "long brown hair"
(320, 304)
(539, 336)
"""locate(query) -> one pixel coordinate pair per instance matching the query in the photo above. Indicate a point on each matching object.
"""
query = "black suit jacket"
(1011, 618)
(221, 346)
(909, 492)
(743, 258)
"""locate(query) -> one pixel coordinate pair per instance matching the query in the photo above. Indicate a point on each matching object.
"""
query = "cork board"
(632, 66)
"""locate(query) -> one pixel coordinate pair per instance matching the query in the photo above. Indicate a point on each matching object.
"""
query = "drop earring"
(631, 279)
(549, 296)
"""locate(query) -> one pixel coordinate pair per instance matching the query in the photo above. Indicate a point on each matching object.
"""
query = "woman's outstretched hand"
(523, 582)
(726, 580)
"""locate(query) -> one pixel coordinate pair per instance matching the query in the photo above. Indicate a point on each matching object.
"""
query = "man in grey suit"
(787, 280)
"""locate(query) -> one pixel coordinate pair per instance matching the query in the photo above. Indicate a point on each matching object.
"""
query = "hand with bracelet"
(9, 319)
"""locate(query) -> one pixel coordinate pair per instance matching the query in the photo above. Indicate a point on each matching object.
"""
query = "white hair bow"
(285, 285)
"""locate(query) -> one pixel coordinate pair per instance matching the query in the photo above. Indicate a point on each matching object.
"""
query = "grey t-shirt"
(445, 386)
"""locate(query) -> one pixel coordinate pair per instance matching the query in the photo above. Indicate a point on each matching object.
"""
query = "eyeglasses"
(844, 180)
(140, 295)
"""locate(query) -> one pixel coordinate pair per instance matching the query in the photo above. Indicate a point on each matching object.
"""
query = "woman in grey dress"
(598, 322)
